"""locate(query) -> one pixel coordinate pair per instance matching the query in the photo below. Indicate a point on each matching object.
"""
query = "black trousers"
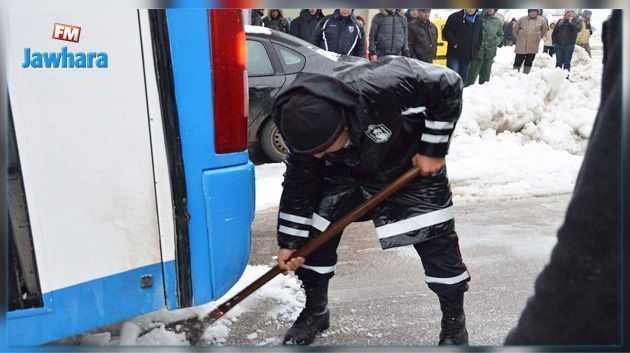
(437, 245)
(549, 50)
(527, 58)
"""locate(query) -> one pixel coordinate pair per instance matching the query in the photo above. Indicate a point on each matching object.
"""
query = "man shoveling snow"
(350, 135)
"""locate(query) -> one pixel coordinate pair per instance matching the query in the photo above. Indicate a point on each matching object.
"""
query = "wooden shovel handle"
(316, 242)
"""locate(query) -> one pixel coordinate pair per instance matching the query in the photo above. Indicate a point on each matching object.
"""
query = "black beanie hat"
(311, 113)
(311, 124)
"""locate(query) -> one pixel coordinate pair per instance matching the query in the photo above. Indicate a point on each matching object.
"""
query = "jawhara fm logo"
(64, 58)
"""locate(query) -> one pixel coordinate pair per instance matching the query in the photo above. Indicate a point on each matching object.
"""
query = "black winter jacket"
(279, 23)
(467, 38)
(304, 26)
(422, 40)
(565, 32)
(395, 107)
(388, 32)
(342, 35)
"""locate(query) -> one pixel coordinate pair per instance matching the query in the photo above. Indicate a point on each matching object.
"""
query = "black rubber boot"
(517, 68)
(527, 69)
(315, 317)
(453, 320)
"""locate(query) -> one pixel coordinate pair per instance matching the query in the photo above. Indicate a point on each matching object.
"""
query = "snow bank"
(283, 291)
(524, 135)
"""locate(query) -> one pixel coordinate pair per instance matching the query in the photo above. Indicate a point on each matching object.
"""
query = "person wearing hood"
(304, 26)
(348, 136)
(463, 32)
(274, 20)
(388, 34)
(257, 15)
(528, 32)
(564, 38)
(341, 33)
(481, 64)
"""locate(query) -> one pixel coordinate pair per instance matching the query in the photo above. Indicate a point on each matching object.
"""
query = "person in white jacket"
(548, 47)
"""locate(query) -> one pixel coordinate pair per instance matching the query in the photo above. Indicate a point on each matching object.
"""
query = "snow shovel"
(195, 327)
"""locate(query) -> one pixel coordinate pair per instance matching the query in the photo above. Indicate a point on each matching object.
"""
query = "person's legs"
(552, 51)
(473, 71)
(518, 61)
(463, 68)
(341, 195)
(486, 70)
(447, 276)
(452, 63)
(568, 55)
(586, 47)
(559, 56)
(529, 60)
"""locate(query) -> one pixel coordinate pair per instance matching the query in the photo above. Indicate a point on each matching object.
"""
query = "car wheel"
(272, 142)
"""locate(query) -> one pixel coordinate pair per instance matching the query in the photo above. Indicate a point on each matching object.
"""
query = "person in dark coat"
(388, 34)
(341, 33)
(463, 32)
(275, 20)
(577, 298)
(564, 38)
(507, 33)
(257, 15)
(348, 136)
(304, 26)
(423, 37)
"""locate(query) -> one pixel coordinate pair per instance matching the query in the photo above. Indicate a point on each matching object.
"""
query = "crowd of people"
(473, 36)
(559, 38)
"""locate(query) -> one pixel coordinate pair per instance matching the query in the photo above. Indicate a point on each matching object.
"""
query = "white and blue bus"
(130, 188)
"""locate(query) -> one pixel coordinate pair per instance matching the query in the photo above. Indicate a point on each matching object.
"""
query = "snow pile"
(283, 291)
(524, 135)
(542, 106)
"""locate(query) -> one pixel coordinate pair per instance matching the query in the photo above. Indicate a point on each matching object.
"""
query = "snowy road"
(380, 298)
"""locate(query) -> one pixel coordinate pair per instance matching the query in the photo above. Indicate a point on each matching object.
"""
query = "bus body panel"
(225, 190)
(162, 177)
(96, 178)
(191, 56)
(84, 143)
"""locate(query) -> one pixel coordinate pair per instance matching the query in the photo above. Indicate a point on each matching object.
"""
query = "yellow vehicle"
(440, 58)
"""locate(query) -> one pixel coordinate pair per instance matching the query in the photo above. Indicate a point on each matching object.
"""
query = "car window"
(302, 43)
(291, 60)
(258, 62)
